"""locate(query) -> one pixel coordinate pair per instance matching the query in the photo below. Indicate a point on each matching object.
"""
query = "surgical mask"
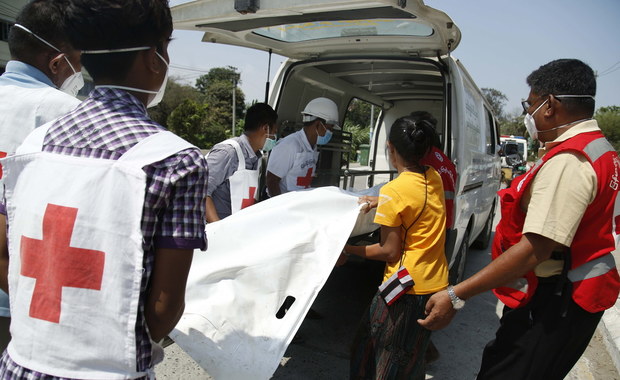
(530, 123)
(322, 140)
(269, 144)
(74, 83)
(158, 95)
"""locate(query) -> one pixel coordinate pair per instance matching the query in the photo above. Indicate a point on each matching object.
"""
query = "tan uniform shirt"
(558, 196)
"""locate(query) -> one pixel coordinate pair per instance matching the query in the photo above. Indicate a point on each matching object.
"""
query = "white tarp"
(257, 258)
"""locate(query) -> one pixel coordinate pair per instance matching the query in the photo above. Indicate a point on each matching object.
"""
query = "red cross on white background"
(305, 181)
(249, 201)
(2, 154)
(54, 264)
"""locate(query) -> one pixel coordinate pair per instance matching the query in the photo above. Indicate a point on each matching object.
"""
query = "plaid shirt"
(105, 126)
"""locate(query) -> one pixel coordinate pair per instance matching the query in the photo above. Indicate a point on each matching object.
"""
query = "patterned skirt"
(390, 344)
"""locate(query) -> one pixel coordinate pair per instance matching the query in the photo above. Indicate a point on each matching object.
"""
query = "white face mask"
(530, 123)
(75, 81)
(157, 95)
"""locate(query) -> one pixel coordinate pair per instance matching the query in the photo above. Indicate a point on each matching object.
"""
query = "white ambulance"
(393, 54)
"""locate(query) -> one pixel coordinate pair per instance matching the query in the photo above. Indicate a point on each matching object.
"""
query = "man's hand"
(439, 312)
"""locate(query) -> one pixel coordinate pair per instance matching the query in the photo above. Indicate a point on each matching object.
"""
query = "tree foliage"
(608, 119)
(497, 99)
(194, 122)
(217, 87)
(218, 74)
(357, 122)
(175, 94)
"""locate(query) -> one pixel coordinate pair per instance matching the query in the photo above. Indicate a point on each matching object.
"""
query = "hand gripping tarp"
(258, 260)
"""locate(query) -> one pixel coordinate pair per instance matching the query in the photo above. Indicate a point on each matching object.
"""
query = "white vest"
(303, 170)
(243, 182)
(76, 256)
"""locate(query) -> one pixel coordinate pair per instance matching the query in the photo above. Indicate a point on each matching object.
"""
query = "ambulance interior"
(395, 87)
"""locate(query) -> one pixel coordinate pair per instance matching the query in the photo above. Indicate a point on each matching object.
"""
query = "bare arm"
(273, 184)
(389, 249)
(4, 256)
(521, 258)
(166, 295)
(211, 213)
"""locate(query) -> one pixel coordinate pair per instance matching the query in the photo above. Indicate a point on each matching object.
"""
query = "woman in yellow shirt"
(390, 344)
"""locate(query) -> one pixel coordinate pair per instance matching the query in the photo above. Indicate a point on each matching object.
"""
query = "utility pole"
(234, 105)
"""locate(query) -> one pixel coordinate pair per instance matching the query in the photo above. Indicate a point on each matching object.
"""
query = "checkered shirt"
(105, 126)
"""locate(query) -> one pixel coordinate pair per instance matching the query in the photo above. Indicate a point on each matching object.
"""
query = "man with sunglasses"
(234, 164)
(40, 83)
(553, 266)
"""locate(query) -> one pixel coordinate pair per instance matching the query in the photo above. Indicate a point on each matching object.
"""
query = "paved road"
(321, 349)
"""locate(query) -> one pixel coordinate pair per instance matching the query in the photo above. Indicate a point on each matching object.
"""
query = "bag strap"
(34, 141)
(154, 148)
(402, 256)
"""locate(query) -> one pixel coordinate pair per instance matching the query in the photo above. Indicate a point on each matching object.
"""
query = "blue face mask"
(269, 144)
(322, 140)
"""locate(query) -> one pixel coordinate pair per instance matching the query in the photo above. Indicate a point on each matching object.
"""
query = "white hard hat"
(322, 108)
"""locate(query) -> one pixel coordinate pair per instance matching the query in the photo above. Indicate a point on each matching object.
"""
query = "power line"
(610, 70)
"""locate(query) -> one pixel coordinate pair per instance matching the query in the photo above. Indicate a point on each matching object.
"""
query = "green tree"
(217, 87)
(512, 124)
(497, 99)
(175, 94)
(218, 74)
(608, 119)
(192, 121)
(359, 135)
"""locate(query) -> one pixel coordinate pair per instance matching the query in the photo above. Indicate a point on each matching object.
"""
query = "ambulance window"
(4, 30)
(490, 135)
(359, 119)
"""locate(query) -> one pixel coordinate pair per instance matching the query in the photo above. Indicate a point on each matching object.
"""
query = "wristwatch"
(457, 303)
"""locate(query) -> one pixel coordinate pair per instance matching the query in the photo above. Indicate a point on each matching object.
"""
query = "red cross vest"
(300, 175)
(243, 182)
(593, 270)
(446, 169)
(76, 256)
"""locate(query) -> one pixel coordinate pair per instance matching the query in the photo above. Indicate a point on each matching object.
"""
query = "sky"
(502, 42)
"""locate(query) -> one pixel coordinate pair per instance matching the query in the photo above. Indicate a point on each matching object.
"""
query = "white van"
(393, 54)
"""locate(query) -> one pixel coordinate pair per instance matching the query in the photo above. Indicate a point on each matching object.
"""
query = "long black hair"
(411, 138)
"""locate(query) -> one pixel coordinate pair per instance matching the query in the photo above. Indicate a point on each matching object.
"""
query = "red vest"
(593, 272)
(446, 169)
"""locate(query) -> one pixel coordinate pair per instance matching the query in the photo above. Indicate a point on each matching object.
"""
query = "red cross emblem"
(249, 201)
(305, 181)
(2, 154)
(54, 264)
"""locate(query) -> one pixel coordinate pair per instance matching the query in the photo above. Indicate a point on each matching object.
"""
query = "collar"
(106, 94)
(583, 127)
(245, 145)
(305, 142)
(24, 75)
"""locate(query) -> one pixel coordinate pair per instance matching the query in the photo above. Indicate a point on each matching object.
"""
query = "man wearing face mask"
(552, 267)
(234, 164)
(40, 83)
(101, 235)
(292, 163)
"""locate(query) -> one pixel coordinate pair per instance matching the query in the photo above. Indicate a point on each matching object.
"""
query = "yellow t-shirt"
(400, 202)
